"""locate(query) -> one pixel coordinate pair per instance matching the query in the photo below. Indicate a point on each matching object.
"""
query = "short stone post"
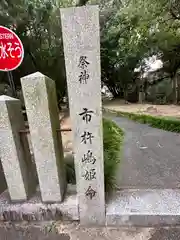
(80, 27)
(42, 112)
(16, 164)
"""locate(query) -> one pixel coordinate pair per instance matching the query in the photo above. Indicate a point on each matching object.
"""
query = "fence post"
(16, 165)
(81, 40)
(42, 112)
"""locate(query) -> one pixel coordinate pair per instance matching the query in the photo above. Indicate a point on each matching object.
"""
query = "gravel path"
(151, 157)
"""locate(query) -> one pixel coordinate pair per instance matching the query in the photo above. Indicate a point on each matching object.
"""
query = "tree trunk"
(175, 89)
(141, 93)
(178, 88)
(125, 95)
(81, 3)
(49, 35)
(141, 97)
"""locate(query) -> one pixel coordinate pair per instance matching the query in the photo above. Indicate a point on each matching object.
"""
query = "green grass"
(166, 123)
(112, 140)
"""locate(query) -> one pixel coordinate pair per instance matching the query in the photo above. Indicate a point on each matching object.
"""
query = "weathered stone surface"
(80, 28)
(29, 231)
(16, 164)
(34, 210)
(3, 184)
(144, 207)
(42, 111)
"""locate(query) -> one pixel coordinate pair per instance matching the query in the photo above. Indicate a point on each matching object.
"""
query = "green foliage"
(130, 31)
(112, 140)
(123, 46)
(160, 93)
(165, 123)
(139, 29)
(70, 172)
(37, 24)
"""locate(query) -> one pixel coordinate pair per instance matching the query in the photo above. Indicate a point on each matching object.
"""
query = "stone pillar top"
(7, 98)
(34, 75)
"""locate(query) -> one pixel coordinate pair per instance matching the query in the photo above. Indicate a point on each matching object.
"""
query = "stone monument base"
(35, 210)
(126, 208)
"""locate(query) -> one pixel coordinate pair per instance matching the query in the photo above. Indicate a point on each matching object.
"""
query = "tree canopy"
(131, 31)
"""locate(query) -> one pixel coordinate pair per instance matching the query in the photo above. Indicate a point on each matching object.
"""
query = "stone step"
(130, 207)
(144, 207)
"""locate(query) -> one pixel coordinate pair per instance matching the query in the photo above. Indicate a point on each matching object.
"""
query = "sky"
(154, 63)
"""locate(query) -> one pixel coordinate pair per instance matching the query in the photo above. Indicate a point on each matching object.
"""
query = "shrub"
(165, 123)
(112, 140)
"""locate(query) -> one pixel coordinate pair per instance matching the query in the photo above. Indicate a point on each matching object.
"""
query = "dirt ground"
(68, 231)
(154, 110)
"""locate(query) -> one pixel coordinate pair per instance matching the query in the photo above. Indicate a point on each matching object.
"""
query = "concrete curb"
(126, 208)
(144, 208)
